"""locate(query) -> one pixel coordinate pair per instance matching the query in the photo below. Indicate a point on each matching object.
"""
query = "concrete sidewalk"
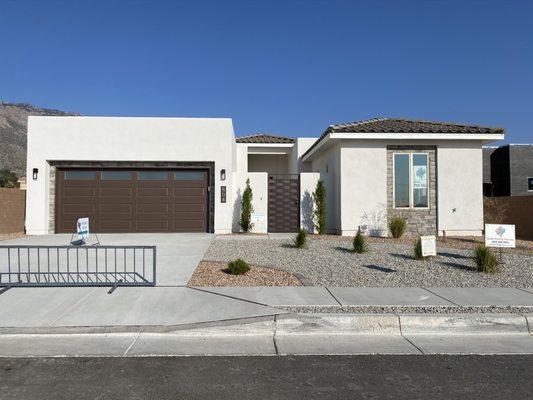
(379, 297)
(86, 309)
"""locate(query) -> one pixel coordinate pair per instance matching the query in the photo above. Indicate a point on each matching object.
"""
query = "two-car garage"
(132, 200)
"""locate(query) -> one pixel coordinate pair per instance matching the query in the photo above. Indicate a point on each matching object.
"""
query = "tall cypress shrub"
(319, 197)
(247, 208)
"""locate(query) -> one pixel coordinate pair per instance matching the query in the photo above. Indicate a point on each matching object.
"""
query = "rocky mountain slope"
(13, 133)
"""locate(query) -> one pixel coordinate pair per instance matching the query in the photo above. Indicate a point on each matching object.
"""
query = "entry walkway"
(178, 254)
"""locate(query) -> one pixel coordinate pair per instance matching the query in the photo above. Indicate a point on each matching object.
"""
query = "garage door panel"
(176, 204)
(152, 208)
(80, 191)
(79, 208)
(153, 225)
(188, 200)
(116, 192)
(178, 192)
(114, 208)
(196, 207)
(152, 191)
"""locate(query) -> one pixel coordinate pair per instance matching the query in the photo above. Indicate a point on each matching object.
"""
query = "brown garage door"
(132, 200)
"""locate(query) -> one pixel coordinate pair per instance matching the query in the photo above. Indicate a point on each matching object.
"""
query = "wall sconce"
(35, 173)
(222, 174)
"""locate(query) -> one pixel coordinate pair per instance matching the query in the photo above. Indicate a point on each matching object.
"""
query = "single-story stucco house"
(188, 174)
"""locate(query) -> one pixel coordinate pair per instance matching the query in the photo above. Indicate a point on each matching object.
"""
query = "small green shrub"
(397, 227)
(359, 245)
(300, 241)
(238, 267)
(485, 259)
(417, 250)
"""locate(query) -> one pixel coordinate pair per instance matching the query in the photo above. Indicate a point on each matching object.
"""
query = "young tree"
(319, 197)
(247, 208)
(8, 179)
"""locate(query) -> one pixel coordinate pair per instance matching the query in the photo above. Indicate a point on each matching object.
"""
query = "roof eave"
(483, 137)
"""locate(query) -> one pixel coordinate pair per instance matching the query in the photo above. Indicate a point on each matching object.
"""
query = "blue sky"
(282, 67)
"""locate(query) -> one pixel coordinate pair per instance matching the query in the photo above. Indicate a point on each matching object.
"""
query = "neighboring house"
(508, 170)
(187, 175)
(22, 183)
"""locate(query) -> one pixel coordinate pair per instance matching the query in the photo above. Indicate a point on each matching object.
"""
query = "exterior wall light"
(35, 173)
(222, 174)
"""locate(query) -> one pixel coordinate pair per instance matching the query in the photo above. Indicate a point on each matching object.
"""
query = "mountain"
(13, 133)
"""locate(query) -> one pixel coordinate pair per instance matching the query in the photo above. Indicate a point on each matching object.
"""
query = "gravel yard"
(328, 261)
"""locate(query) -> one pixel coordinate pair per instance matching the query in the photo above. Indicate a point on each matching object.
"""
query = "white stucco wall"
(308, 181)
(329, 162)
(126, 139)
(301, 145)
(259, 185)
(364, 187)
(460, 188)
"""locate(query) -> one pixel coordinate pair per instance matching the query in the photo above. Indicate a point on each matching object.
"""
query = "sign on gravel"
(499, 235)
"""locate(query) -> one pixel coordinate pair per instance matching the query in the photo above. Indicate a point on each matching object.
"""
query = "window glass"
(401, 180)
(153, 175)
(420, 180)
(116, 175)
(189, 176)
(530, 184)
(84, 175)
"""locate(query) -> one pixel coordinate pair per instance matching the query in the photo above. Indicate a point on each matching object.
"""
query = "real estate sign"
(429, 245)
(82, 227)
(499, 235)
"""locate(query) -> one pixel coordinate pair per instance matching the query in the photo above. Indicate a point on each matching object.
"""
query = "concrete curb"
(321, 324)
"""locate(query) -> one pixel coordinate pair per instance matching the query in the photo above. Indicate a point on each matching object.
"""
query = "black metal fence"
(77, 265)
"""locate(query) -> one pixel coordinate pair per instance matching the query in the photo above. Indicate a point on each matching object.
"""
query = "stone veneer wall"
(419, 221)
(209, 165)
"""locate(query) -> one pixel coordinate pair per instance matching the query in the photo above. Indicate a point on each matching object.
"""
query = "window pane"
(529, 183)
(401, 180)
(153, 175)
(420, 180)
(116, 175)
(84, 175)
(189, 176)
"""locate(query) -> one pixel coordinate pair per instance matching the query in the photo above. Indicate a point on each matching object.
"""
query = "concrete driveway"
(178, 254)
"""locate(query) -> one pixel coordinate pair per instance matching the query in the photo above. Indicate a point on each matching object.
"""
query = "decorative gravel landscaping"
(329, 261)
(210, 273)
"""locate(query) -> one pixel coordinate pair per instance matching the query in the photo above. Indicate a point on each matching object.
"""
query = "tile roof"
(398, 125)
(260, 138)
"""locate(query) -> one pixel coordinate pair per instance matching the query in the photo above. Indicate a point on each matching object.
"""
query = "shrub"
(300, 241)
(359, 245)
(238, 267)
(247, 208)
(397, 227)
(485, 259)
(319, 197)
(8, 179)
(417, 251)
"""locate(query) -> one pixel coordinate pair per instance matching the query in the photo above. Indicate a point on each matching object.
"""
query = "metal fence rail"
(77, 265)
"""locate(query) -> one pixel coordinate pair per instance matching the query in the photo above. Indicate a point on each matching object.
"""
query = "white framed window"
(530, 184)
(410, 180)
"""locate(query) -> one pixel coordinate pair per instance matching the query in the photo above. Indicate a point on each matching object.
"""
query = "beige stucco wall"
(270, 163)
(459, 188)
(328, 162)
(125, 139)
(364, 186)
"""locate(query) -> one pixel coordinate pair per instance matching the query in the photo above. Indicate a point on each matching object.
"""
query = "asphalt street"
(275, 377)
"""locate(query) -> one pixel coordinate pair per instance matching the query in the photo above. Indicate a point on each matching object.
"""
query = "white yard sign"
(82, 228)
(429, 245)
(499, 235)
